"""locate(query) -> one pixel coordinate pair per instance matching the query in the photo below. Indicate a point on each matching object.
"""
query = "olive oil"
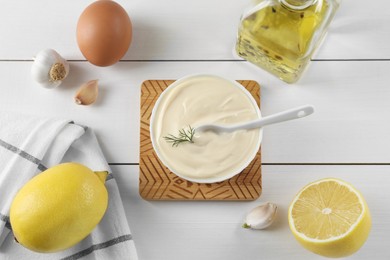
(280, 36)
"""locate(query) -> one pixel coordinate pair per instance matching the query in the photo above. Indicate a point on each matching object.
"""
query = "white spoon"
(290, 114)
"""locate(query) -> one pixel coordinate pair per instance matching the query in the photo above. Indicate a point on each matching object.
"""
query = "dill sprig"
(184, 136)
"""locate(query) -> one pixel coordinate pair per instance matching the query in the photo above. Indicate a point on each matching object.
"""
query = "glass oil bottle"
(280, 36)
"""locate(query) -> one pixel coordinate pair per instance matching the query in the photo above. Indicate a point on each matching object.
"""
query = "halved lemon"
(330, 217)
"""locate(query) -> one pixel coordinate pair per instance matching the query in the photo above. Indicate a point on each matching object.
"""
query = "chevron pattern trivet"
(156, 182)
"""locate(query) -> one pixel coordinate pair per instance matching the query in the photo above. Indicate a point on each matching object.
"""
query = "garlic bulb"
(261, 216)
(49, 68)
(87, 93)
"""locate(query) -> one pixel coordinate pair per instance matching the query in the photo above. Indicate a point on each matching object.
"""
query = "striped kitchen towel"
(28, 146)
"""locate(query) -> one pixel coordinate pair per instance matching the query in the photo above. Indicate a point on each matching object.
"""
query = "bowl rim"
(214, 179)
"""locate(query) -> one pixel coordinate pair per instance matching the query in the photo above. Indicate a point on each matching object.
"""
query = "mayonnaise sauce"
(202, 100)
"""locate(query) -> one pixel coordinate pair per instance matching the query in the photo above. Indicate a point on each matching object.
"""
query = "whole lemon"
(59, 207)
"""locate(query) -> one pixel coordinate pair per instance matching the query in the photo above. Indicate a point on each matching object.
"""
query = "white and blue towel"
(28, 146)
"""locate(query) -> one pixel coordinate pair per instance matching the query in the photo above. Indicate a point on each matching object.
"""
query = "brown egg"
(104, 32)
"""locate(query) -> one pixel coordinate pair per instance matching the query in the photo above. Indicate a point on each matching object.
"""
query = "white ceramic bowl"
(230, 173)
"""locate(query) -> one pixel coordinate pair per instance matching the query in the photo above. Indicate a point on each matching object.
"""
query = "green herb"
(184, 136)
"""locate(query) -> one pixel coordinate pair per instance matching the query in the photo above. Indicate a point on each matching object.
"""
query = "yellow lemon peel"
(330, 217)
(59, 207)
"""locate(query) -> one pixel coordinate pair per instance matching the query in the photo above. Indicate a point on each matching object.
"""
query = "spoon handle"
(290, 114)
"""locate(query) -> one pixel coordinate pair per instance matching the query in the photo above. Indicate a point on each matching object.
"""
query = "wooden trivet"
(156, 182)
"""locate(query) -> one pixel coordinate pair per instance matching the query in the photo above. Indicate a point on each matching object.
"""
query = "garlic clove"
(49, 68)
(87, 93)
(261, 217)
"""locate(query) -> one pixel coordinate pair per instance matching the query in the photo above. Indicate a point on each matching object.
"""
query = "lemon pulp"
(330, 217)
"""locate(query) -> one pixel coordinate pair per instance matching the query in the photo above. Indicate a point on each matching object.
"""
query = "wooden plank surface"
(157, 182)
(177, 230)
(347, 137)
(181, 30)
(351, 100)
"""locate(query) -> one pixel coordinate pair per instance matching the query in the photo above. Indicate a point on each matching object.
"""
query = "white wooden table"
(348, 136)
